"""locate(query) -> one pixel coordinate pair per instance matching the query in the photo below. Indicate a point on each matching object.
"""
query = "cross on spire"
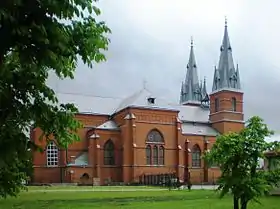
(225, 21)
(144, 83)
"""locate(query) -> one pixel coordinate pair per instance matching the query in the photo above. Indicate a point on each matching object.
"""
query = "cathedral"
(142, 138)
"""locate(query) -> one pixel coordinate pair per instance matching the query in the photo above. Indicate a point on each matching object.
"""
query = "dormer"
(151, 100)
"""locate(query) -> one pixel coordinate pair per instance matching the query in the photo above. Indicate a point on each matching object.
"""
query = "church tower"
(226, 98)
(193, 92)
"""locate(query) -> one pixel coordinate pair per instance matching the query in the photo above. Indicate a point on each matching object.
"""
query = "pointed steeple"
(204, 89)
(225, 76)
(191, 87)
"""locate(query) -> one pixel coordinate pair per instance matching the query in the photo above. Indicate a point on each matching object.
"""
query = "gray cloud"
(151, 39)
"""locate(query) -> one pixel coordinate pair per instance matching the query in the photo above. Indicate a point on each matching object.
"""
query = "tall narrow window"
(217, 105)
(155, 155)
(155, 148)
(148, 155)
(52, 154)
(161, 156)
(109, 153)
(233, 103)
(196, 156)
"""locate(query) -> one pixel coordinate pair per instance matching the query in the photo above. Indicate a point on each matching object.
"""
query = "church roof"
(108, 125)
(108, 106)
(192, 113)
(81, 160)
(90, 104)
(198, 129)
(141, 99)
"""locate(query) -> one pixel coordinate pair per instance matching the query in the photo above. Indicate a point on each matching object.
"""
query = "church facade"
(143, 138)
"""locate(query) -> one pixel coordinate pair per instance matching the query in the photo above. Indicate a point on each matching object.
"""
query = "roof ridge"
(89, 95)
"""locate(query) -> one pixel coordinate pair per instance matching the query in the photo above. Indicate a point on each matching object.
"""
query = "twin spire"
(226, 76)
(192, 91)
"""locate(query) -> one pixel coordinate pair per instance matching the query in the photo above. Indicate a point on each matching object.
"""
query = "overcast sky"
(151, 40)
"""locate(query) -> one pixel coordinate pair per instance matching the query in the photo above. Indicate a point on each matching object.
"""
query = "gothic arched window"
(109, 153)
(52, 154)
(148, 155)
(217, 104)
(155, 137)
(155, 148)
(233, 103)
(196, 156)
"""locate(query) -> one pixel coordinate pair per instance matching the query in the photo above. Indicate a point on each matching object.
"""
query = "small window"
(52, 155)
(148, 155)
(109, 153)
(151, 100)
(155, 155)
(196, 156)
(233, 104)
(161, 155)
(217, 104)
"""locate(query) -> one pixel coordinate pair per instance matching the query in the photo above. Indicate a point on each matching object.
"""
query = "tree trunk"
(244, 203)
(235, 202)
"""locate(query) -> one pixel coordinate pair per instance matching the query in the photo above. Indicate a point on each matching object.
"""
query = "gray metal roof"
(225, 76)
(198, 129)
(81, 160)
(90, 104)
(108, 125)
(193, 113)
(140, 99)
(109, 106)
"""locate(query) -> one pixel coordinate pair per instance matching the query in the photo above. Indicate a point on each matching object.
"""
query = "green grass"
(48, 188)
(196, 199)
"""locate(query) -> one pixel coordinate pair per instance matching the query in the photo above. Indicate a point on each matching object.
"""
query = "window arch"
(217, 104)
(233, 103)
(155, 148)
(52, 154)
(109, 153)
(155, 136)
(148, 155)
(161, 156)
(196, 156)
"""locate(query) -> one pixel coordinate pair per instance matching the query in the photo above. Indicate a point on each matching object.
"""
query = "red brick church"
(143, 138)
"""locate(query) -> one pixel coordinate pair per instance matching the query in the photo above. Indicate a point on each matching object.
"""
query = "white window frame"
(52, 155)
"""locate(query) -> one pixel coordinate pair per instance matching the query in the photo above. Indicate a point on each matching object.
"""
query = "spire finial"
(144, 83)
(191, 41)
(225, 21)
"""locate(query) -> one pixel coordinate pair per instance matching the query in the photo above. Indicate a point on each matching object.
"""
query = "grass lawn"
(196, 199)
(83, 188)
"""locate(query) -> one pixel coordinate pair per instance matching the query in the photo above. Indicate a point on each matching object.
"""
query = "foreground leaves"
(39, 36)
(237, 155)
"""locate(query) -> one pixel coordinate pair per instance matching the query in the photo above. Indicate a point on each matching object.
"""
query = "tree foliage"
(39, 36)
(237, 155)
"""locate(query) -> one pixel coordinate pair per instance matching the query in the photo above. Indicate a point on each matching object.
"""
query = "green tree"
(37, 37)
(237, 155)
